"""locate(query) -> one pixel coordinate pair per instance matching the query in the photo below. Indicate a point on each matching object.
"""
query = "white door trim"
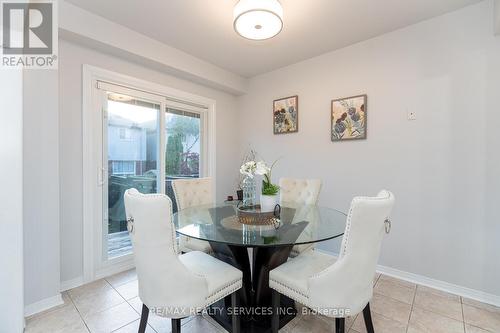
(90, 166)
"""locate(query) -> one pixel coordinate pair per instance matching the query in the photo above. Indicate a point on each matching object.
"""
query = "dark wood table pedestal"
(255, 297)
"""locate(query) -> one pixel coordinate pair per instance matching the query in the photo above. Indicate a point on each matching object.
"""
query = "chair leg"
(339, 325)
(368, 319)
(176, 325)
(235, 318)
(275, 321)
(144, 319)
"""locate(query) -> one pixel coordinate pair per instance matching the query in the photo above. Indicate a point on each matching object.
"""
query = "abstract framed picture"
(286, 115)
(349, 118)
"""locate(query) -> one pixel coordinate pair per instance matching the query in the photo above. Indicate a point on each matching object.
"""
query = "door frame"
(92, 161)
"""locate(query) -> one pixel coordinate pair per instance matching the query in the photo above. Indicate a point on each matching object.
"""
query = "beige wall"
(443, 167)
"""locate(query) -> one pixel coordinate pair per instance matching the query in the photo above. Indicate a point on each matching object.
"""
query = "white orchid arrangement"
(252, 168)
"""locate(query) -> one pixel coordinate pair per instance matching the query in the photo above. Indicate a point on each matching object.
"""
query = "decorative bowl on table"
(252, 215)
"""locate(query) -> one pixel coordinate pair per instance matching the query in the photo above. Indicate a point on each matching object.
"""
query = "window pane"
(132, 150)
(183, 147)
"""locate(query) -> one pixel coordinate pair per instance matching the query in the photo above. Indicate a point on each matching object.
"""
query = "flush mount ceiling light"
(258, 19)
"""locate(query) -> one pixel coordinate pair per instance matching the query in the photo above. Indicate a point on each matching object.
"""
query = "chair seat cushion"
(222, 279)
(291, 278)
(187, 244)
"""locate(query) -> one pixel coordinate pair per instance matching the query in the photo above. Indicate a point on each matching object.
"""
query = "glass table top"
(293, 224)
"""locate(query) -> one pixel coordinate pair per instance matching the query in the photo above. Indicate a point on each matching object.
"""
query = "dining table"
(256, 249)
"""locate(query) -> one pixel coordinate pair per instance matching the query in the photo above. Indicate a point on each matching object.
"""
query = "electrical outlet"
(412, 115)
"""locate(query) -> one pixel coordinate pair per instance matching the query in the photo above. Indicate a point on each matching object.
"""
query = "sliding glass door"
(147, 142)
(130, 150)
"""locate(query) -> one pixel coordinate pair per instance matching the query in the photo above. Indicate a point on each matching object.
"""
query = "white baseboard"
(451, 288)
(114, 269)
(43, 305)
(51, 302)
(103, 273)
(73, 283)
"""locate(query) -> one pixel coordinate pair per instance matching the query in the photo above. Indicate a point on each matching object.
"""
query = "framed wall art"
(348, 117)
(286, 115)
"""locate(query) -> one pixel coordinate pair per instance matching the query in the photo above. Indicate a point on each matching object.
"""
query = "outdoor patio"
(119, 244)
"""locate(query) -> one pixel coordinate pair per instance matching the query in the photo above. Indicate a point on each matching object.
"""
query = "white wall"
(497, 17)
(41, 189)
(443, 167)
(72, 57)
(11, 197)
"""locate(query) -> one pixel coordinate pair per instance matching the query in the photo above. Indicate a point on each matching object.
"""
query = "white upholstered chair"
(172, 285)
(188, 193)
(343, 287)
(300, 191)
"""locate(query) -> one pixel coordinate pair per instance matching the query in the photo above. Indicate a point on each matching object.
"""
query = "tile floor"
(112, 305)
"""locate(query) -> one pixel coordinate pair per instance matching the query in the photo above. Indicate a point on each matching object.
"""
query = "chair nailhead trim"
(288, 288)
(224, 291)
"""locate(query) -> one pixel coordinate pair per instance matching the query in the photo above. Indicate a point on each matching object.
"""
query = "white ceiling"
(204, 28)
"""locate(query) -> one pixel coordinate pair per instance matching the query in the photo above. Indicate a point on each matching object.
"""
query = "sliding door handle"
(101, 175)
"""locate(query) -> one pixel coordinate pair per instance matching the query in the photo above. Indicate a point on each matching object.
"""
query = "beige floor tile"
(312, 323)
(159, 324)
(133, 328)
(62, 320)
(381, 324)
(391, 279)
(474, 329)
(93, 303)
(395, 290)
(482, 318)
(349, 321)
(438, 292)
(136, 303)
(128, 290)
(95, 287)
(480, 305)
(390, 308)
(289, 327)
(440, 304)
(422, 321)
(111, 319)
(200, 324)
(122, 278)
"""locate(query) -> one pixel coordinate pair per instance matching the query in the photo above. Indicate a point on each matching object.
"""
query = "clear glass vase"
(249, 191)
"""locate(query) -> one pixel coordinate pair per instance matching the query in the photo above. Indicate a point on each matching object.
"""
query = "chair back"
(349, 282)
(300, 191)
(164, 282)
(193, 192)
